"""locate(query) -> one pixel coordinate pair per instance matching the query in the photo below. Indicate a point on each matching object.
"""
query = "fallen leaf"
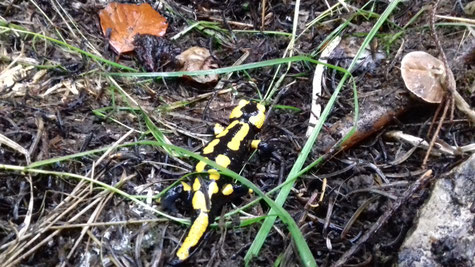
(198, 58)
(127, 20)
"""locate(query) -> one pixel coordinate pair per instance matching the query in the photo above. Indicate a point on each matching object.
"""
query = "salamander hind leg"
(262, 146)
(201, 219)
(193, 238)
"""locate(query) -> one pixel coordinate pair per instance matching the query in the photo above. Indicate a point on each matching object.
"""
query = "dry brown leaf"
(198, 58)
(127, 20)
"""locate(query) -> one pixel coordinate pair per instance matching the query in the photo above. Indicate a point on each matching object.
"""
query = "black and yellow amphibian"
(228, 149)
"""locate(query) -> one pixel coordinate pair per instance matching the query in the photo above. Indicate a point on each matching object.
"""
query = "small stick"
(263, 14)
(449, 82)
(436, 133)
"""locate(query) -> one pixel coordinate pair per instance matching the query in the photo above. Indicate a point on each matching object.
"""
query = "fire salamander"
(228, 149)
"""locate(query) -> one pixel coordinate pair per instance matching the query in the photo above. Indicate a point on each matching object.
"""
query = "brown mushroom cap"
(423, 75)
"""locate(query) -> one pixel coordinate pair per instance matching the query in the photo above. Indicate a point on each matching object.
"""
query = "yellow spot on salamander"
(255, 144)
(213, 174)
(226, 131)
(218, 128)
(212, 189)
(243, 102)
(235, 143)
(200, 167)
(260, 117)
(251, 191)
(223, 160)
(196, 185)
(186, 186)
(210, 147)
(227, 190)
(237, 112)
(261, 108)
(197, 230)
(199, 201)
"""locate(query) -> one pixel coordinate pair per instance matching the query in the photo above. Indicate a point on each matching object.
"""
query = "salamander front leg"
(232, 192)
(262, 147)
(182, 191)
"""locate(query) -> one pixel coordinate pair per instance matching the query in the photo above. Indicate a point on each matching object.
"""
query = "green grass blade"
(304, 250)
(254, 65)
(288, 108)
(114, 189)
(302, 247)
(15, 28)
(269, 221)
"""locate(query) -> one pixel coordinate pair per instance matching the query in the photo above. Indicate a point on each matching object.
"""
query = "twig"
(449, 82)
(437, 130)
(439, 145)
(463, 20)
(40, 124)
(263, 14)
(385, 217)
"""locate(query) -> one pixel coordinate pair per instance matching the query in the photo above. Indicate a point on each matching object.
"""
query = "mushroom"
(423, 75)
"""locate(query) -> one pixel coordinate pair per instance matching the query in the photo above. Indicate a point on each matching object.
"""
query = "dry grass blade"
(113, 147)
(318, 80)
(16, 256)
(15, 253)
(105, 197)
(41, 127)
(88, 120)
(102, 224)
(463, 20)
(27, 220)
(15, 146)
(355, 216)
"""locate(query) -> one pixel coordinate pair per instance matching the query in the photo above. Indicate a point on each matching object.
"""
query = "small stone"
(443, 234)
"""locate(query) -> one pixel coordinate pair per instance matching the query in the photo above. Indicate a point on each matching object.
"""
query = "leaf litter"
(121, 22)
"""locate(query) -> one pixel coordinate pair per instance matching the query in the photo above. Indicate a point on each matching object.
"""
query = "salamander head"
(249, 112)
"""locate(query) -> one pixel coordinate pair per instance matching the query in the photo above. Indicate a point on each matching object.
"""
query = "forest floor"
(85, 148)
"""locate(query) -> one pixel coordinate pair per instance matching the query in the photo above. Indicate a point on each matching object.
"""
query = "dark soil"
(86, 111)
